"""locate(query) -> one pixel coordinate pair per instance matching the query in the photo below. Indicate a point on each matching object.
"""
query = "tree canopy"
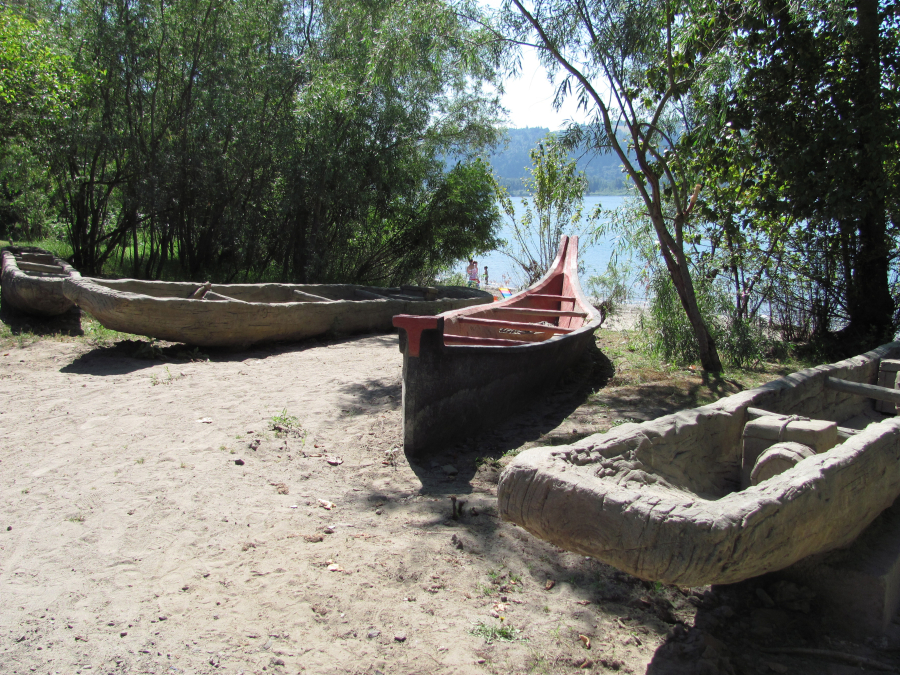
(296, 140)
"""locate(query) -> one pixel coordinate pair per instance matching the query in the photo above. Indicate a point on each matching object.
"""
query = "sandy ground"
(133, 542)
(255, 513)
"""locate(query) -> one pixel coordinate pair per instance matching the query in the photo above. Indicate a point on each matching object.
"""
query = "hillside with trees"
(511, 161)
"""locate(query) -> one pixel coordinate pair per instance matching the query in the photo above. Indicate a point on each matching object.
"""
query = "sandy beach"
(254, 512)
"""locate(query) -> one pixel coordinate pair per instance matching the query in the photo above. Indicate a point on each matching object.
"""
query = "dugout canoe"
(687, 499)
(32, 281)
(238, 315)
(467, 369)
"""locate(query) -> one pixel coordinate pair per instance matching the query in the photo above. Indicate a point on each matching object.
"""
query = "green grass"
(57, 247)
(284, 424)
(97, 334)
(495, 633)
(485, 589)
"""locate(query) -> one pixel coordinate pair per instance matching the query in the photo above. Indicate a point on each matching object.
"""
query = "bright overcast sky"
(529, 98)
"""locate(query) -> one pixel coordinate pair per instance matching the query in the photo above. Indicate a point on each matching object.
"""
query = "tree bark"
(870, 304)
(676, 264)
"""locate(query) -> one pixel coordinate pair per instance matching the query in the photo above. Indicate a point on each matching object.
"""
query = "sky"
(529, 98)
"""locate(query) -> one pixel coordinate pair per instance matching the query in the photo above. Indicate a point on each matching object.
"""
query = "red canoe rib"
(518, 325)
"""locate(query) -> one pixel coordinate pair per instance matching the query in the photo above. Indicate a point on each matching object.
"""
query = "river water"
(593, 257)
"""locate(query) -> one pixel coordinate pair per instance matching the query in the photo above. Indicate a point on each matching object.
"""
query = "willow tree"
(634, 65)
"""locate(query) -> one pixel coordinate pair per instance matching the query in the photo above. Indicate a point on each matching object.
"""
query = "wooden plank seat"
(557, 298)
(517, 325)
(530, 311)
(481, 341)
(37, 267)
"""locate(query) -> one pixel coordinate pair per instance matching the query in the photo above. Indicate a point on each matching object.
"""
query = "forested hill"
(511, 163)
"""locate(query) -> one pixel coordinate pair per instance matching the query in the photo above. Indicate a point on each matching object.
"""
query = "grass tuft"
(495, 633)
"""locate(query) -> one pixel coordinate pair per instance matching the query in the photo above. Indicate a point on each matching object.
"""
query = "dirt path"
(254, 513)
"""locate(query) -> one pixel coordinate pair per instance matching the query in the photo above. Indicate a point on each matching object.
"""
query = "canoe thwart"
(369, 295)
(480, 341)
(201, 291)
(40, 258)
(37, 267)
(531, 311)
(843, 432)
(557, 298)
(303, 296)
(860, 389)
(211, 295)
(516, 325)
(414, 325)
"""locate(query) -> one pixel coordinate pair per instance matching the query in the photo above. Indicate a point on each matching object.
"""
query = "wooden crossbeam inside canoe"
(530, 311)
(482, 341)
(515, 325)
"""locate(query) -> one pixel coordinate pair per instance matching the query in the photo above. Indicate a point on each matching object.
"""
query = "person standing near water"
(472, 273)
(485, 275)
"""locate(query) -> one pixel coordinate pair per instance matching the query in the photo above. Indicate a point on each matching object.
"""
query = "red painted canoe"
(467, 369)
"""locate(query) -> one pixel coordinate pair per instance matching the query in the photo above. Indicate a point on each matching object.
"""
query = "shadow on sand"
(21, 324)
(590, 373)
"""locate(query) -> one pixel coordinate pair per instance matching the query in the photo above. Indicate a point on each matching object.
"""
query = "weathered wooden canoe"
(217, 315)
(467, 369)
(32, 281)
(722, 493)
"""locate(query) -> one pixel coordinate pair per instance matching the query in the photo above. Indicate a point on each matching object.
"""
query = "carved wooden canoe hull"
(662, 500)
(466, 370)
(32, 281)
(237, 315)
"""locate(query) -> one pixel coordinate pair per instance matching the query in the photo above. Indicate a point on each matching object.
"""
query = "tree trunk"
(870, 304)
(676, 263)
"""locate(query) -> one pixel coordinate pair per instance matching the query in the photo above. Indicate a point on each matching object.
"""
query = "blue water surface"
(593, 258)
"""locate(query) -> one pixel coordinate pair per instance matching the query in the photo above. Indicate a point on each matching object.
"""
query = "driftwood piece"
(867, 390)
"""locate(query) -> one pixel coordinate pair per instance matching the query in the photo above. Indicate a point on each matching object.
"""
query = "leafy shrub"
(740, 342)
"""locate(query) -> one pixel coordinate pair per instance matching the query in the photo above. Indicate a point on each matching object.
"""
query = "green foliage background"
(248, 140)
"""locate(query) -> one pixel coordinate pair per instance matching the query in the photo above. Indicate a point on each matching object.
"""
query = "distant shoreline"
(623, 193)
